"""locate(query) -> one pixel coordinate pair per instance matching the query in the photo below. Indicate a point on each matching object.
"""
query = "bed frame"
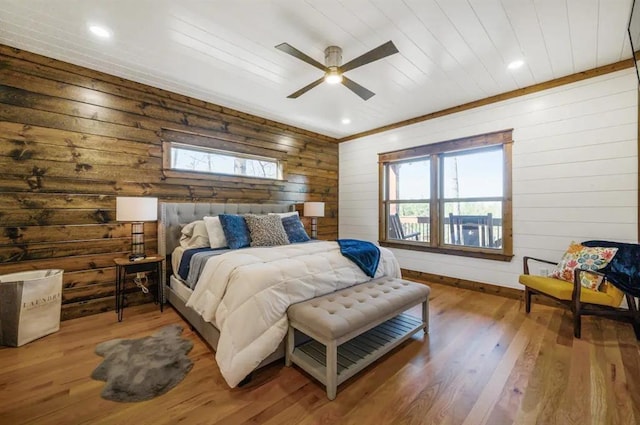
(173, 216)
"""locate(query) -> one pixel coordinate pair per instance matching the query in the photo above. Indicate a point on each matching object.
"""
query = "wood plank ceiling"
(451, 51)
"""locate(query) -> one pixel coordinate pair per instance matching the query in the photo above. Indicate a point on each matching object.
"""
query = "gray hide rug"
(140, 369)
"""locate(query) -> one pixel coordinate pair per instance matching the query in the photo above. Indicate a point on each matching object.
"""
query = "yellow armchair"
(581, 300)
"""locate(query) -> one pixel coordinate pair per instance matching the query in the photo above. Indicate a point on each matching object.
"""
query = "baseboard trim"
(487, 288)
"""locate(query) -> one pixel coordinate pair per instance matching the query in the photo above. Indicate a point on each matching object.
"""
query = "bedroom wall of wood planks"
(72, 139)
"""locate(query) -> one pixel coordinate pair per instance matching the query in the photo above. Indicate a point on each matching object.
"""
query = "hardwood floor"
(484, 362)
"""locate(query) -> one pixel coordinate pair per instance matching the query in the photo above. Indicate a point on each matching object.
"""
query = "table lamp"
(314, 210)
(136, 210)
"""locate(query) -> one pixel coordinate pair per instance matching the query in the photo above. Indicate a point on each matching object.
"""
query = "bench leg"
(425, 315)
(332, 369)
(289, 346)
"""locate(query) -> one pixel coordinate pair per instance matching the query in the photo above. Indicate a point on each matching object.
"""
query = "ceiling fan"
(333, 70)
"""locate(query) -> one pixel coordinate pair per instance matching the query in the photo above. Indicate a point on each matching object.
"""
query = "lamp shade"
(314, 209)
(130, 208)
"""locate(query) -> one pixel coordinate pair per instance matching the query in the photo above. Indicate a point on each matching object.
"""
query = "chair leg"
(576, 307)
(635, 320)
(577, 324)
(527, 300)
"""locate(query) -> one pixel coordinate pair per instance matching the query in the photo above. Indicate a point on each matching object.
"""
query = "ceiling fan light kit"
(333, 76)
(333, 68)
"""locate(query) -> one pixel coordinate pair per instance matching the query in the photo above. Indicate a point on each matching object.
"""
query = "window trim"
(504, 138)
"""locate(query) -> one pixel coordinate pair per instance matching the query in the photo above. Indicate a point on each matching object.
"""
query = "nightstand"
(125, 267)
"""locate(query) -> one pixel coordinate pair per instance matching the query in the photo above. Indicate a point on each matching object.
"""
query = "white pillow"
(287, 214)
(194, 235)
(215, 232)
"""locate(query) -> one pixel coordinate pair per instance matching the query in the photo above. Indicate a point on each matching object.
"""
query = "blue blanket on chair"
(365, 254)
(624, 269)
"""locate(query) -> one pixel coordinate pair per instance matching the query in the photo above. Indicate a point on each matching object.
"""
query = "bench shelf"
(359, 352)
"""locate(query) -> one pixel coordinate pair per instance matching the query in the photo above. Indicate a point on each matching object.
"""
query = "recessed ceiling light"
(346, 121)
(516, 64)
(100, 31)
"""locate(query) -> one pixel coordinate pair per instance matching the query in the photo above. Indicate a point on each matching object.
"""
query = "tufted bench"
(357, 325)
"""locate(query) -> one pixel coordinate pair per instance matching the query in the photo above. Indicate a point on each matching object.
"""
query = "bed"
(292, 273)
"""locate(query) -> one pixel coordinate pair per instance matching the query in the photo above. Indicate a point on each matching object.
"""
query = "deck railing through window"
(421, 225)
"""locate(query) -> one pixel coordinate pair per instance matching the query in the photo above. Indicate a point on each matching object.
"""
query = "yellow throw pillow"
(585, 258)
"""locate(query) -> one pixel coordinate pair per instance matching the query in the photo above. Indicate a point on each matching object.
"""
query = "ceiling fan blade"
(287, 48)
(387, 49)
(365, 94)
(305, 89)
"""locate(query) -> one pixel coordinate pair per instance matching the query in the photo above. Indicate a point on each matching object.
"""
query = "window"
(204, 160)
(205, 157)
(408, 193)
(450, 197)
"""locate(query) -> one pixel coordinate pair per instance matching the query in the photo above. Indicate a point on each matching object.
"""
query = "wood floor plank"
(502, 395)
(484, 362)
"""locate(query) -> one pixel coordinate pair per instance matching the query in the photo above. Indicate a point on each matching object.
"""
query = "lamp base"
(314, 228)
(137, 257)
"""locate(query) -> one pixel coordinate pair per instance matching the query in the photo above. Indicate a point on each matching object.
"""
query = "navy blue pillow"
(294, 229)
(235, 230)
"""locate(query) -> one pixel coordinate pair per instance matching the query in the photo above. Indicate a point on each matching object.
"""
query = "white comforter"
(248, 292)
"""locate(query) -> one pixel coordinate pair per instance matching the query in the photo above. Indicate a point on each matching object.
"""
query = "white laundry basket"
(30, 305)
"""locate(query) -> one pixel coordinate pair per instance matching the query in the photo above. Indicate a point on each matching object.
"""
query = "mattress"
(178, 286)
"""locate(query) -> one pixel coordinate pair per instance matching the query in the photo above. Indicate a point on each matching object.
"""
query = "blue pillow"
(235, 230)
(294, 229)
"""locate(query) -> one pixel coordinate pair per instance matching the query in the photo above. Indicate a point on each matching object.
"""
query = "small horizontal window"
(183, 157)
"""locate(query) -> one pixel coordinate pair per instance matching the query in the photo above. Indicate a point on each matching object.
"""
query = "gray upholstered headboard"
(175, 215)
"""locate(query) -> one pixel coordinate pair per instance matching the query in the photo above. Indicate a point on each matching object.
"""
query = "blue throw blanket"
(624, 269)
(365, 254)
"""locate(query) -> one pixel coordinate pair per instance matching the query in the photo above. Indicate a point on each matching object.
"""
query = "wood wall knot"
(38, 172)
(146, 188)
(20, 155)
(13, 233)
(102, 216)
(83, 167)
(34, 182)
(25, 128)
(43, 218)
(108, 232)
